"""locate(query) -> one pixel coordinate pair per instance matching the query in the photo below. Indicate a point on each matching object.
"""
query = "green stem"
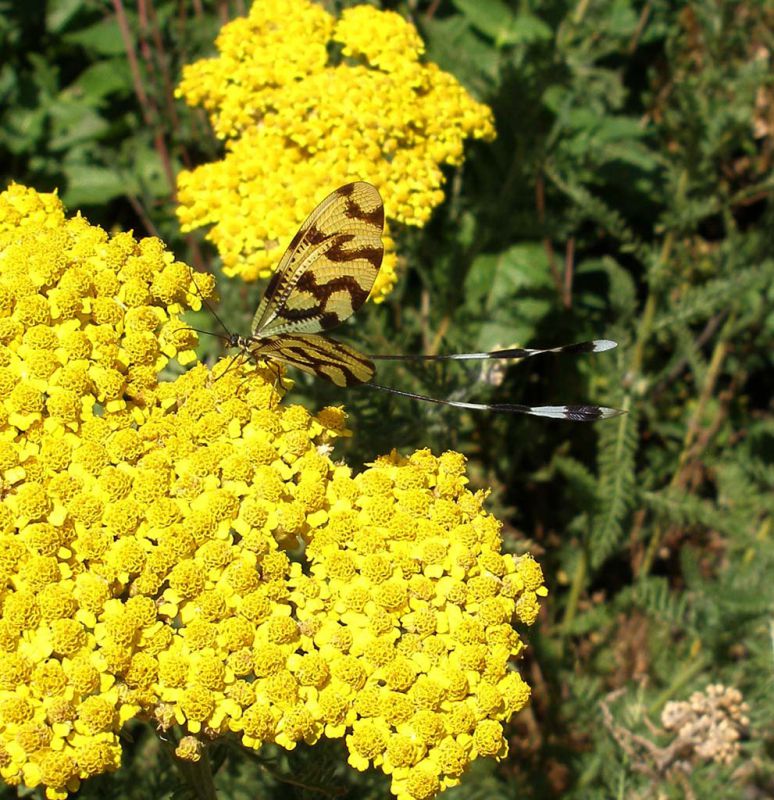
(688, 451)
(580, 11)
(197, 775)
(645, 326)
(577, 586)
(643, 333)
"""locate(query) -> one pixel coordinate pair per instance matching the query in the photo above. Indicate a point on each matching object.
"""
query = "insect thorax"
(242, 342)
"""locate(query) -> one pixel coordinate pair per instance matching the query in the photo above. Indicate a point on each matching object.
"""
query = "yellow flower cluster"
(299, 122)
(88, 318)
(144, 532)
(414, 644)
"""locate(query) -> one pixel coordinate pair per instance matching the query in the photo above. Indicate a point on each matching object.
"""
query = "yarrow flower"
(708, 726)
(144, 535)
(305, 103)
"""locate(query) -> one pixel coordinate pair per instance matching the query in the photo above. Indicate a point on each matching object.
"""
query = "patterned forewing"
(334, 361)
(329, 268)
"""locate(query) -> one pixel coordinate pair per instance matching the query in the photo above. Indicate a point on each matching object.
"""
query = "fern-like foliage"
(617, 482)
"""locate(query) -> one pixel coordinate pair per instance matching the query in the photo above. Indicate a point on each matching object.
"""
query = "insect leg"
(239, 357)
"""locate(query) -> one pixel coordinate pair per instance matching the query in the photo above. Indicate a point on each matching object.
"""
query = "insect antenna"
(220, 336)
(592, 346)
(229, 335)
(578, 413)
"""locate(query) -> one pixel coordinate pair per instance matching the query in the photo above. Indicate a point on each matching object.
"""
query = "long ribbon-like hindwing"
(326, 275)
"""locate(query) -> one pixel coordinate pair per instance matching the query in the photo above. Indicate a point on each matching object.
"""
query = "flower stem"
(196, 775)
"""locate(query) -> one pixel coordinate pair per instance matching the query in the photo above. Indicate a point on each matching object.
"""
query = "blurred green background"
(628, 196)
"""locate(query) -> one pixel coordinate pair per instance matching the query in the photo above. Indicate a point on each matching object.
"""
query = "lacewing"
(325, 276)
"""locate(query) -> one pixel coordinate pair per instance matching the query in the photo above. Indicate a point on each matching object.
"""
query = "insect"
(325, 275)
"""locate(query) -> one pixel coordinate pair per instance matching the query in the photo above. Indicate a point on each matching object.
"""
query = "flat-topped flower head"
(381, 113)
(420, 583)
(122, 522)
(145, 530)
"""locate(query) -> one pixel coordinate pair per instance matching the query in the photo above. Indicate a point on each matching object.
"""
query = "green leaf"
(494, 19)
(90, 184)
(44, 75)
(74, 123)
(454, 46)
(60, 12)
(617, 484)
(519, 267)
(103, 38)
(580, 477)
(518, 277)
(623, 291)
(104, 78)
(149, 170)
(654, 596)
(22, 130)
(715, 295)
(528, 28)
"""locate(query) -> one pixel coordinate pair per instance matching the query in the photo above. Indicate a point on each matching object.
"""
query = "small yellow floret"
(380, 114)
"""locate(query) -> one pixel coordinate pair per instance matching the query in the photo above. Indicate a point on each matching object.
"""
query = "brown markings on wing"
(326, 358)
(355, 209)
(322, 293)
(340, 247)
(339, 252)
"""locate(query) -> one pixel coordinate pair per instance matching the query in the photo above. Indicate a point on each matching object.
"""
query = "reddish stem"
(569, 267)
(540, 205)
(147, 107)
